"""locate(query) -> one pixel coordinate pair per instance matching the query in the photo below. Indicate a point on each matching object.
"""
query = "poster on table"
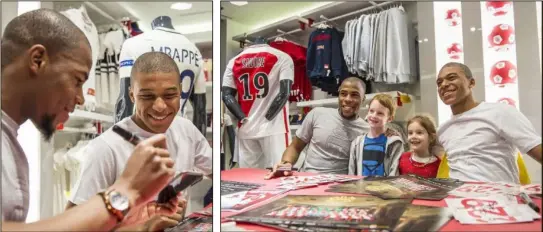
(229, 187)
(485, 189)
(496, 209)
(396, 187)
(344, 212)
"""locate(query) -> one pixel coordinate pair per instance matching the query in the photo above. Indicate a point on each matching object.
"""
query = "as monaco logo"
(499, 8)
(455, 51)
(453, 17)
(508, 101)
(502, 37)
(502, 73)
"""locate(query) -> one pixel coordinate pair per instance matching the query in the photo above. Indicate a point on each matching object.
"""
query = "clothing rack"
(380, 5)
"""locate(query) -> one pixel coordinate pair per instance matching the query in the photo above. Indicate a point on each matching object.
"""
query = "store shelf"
(334, 101)
(86, 115)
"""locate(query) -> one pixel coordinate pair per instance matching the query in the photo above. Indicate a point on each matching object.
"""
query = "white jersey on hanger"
(185, 53)
(256, 73)
(81, 19)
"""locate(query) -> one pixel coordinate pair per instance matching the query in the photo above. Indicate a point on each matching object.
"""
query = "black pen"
(529, 201)
(127, 135)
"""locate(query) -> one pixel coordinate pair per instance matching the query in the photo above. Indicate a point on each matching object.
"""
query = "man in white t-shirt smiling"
(481, 139)
(156, 94)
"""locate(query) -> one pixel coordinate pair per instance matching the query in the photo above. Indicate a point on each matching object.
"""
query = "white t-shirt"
(107, 155)
(482, 143)
(256, 73)
(187, 56)
(15, 180)
(81, 19)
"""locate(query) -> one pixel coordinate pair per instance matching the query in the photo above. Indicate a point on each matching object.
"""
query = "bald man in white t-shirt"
(481, 139)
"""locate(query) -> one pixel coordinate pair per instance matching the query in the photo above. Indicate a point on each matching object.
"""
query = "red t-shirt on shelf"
(410, 166)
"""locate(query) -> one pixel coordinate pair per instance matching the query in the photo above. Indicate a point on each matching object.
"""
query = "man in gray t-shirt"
(328, 132)
(328, 136)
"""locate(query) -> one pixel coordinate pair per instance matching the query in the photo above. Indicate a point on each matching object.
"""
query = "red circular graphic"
(503, 72)
(455, 51)
(508, 101)
(499, 8)
(502, 37)
(453, 17)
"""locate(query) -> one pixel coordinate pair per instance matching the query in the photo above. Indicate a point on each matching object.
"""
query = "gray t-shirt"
(15, 195)
(329, 138)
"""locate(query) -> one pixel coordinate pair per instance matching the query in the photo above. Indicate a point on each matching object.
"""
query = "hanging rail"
(380, 5)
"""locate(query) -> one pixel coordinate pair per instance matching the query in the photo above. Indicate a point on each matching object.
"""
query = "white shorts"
(262, 152)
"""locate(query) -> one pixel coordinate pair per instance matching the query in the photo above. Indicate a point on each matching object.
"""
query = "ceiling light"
(181, 6)
(238, 3)
(472, 29)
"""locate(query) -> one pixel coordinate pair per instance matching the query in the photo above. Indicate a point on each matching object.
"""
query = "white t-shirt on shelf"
(107, 155)
(482, 143)
(81, 19)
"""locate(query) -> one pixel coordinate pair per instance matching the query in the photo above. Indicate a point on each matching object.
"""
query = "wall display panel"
(499, 52)
(448, 44)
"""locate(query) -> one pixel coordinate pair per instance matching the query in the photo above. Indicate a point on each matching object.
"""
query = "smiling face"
(156, 96)
(453, 85)
(378, 115)
(351, 95)
(59, 85)
(418, 137)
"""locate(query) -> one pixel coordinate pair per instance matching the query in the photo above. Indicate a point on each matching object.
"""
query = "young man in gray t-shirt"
(328, 133)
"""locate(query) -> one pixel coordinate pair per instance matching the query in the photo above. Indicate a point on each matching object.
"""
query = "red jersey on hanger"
(301, 89)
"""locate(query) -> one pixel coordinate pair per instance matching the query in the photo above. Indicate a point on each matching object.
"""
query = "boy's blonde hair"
(428, 123)
(387, 101)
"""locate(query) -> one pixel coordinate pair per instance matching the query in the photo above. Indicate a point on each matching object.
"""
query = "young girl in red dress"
(419, 160)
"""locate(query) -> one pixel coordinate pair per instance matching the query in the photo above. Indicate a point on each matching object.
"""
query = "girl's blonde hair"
(428, 123)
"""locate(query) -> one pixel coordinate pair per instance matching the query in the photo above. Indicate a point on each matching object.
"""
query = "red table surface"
(257, 176)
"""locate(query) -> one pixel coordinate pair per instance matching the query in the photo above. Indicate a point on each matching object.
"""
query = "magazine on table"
(229, 187)
(241, 200)
(414, 218)
(423, 218)
(494, 209)
(340, 212)
(398, 187)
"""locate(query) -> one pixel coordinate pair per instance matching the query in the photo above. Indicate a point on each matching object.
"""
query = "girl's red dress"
(407, 166)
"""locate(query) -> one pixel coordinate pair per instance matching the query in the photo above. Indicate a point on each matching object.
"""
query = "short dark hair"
(465, 68)
(153, 62)
(355, 80)
(43, 26)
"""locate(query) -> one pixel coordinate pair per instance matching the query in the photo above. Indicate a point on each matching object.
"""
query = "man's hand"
(147, 172)
(159, 223)
(276, 172)
(142, 214)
